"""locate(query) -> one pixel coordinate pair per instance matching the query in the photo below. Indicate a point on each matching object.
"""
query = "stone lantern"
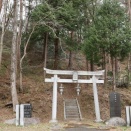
(78, 89)
(61, 89)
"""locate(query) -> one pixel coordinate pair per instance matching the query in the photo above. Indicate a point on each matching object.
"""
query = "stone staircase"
(72, 109)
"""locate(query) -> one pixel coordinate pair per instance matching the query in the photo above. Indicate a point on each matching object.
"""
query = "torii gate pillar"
(96, 102)
(54, 101)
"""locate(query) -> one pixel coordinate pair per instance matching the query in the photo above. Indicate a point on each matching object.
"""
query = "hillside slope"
(40, 96)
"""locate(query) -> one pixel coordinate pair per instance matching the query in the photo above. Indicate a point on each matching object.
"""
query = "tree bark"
(1, 4)
(92, 65)
(70, 60)
(129, 56)
(105, 68)
(18, 51)
(116, 66)
(45, 51)
(87, 65)
(44, 56)
(109, 63)
(103, 60)
(21, 60)
(13, 59)
(27, 12)
(56, 56)
(71, 54)
(88, 68)
(114, 74)
(3, 29)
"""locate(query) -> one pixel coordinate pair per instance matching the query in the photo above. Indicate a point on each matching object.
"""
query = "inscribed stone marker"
(115, 104)
(27, 111)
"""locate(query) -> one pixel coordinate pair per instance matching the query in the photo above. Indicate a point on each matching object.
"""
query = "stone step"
(73, 117)
(71, 104)
(70, 100)
(72, 114)
(71, 109)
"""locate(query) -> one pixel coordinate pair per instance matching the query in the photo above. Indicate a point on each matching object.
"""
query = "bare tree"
(21, 60)
(13, 58)
(56, 45)
(6, 11)
(114, 74)
(129, 56)
(71, 53)
(27, 8)
(3, 20)
(18, 52)
(1, 4)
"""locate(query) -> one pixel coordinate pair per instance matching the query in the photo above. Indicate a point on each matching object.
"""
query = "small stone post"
(21, 115)
(17, 115)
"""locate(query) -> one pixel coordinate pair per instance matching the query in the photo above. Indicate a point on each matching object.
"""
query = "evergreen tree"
(109, 33)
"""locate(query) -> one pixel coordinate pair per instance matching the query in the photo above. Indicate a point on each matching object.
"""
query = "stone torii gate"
(94, 80)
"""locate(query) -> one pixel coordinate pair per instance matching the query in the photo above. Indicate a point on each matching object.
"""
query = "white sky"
(10, 3)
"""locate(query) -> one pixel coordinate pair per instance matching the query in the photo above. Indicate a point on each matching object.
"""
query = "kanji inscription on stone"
(27, 111)
(115, 104)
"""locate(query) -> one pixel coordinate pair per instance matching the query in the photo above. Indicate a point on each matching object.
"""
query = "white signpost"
(75, 79)
(20, 115)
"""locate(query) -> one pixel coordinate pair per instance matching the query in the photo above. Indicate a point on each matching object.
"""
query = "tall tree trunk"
(109, 63)
(114, 74)
(103, 59)
(18, 52)
(116, 65)
(71, 53)
(129, 57)
(88, 68)
(92, 64)
(129, 69)
(56, 56)
(1, 4)
(70, 60)
(13, 59)
(27, 12)
(87, 65)
(44, 56)
(3, 29)
(105, 68)
(45, 50)
(129, 9)
(21, 60)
